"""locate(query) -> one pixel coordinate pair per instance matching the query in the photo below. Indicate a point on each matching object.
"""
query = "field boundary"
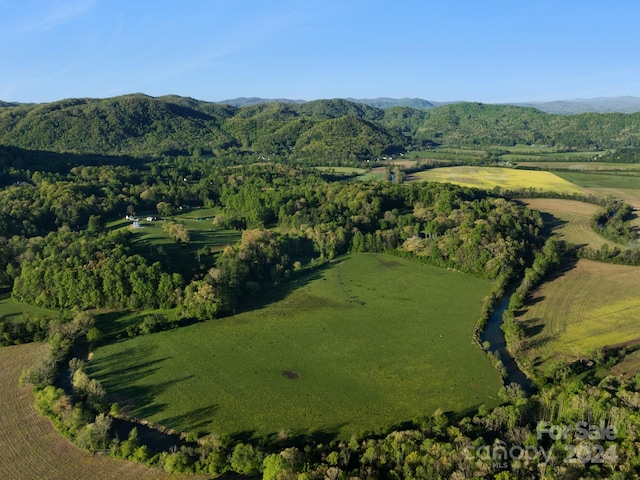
(32, 447)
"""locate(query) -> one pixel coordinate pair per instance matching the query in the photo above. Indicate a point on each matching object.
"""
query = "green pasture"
(595, 180)
(365, 343)
(553, 156)
(10, 308)
(585, 166)
(153, 243)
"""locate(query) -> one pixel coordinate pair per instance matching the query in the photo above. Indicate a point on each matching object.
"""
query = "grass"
(370, 341)
(586, 166)
(362, 174)
(11, 308)
(154, 244)
(570, 220)
(623, 187)
(342, 170)
(490, 177)
(552, 156)
(595, 180)
(592, 305)
(31, 447)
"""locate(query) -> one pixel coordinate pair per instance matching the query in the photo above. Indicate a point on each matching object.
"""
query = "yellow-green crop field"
(490, 177)
(593, 305)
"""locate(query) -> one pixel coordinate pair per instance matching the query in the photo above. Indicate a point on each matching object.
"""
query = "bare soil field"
(32, 448)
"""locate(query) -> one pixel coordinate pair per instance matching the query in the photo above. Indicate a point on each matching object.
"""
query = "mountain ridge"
(620, 104)
(335, 130)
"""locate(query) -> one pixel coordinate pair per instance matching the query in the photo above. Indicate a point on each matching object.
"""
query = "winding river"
(493, 334)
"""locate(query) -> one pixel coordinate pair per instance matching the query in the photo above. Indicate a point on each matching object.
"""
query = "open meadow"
(152, 242)
(490, 177)
(592, 305)
(32, 448)
(369, 341)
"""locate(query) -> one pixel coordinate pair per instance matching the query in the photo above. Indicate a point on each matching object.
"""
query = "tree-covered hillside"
(328, 131)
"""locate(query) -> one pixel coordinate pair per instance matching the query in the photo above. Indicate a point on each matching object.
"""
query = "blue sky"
(477, 50)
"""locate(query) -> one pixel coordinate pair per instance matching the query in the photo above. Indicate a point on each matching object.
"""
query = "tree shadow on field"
(551, 222)
(195, 421)
(144, 396)
(279, 292)
(566, 264)
(535, 329)
(156, 441)
(300, 440)
(113, 324)
(124, 374)
(530, 302)
(126, 367)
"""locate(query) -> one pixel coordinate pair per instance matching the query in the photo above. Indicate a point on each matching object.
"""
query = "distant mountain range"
(8, 104)
(584, 105)
(564, 107)
(341, 130)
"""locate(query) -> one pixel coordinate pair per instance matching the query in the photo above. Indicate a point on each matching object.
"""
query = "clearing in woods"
(593, 305)
(32, 448)
(367, 342)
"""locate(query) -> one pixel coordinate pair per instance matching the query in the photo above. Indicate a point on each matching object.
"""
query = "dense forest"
(88, 268)
(322, 131)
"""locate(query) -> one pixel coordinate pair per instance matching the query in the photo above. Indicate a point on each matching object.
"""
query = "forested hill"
(327, 130)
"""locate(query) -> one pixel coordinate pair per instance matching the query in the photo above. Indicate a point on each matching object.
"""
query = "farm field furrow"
(628, 195)
(570, 220)
(623, 187)
(592, 305)
(367, 342)
(32, 448)
(490, 177)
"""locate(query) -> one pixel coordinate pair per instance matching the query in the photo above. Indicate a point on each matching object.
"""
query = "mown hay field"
(367, 342)
(570, 220)
(627, 195)
(32, 448)
(592, 305)
(490, 177)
